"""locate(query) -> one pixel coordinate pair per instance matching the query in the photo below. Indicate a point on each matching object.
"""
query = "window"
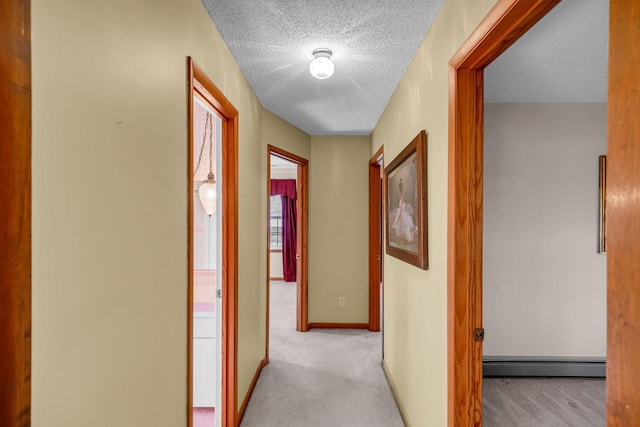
(275, 226)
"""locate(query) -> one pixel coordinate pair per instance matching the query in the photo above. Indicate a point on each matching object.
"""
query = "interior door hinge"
(479, 334)
(219, 293)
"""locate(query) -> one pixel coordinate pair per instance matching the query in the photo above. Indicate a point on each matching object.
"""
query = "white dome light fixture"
(321, 67)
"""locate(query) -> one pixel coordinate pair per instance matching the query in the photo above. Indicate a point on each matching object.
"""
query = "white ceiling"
(562, 59)
(280, 163)
(372, 41)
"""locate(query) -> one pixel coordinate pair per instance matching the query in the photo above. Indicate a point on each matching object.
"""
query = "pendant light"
(207, 190)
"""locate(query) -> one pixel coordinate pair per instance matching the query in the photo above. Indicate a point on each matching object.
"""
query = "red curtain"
(286, 189)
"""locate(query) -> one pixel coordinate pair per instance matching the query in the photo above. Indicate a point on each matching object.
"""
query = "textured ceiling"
(280, 163)
(561, 59)
(372, 41)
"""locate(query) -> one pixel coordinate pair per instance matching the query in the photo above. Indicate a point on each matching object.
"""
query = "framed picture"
(406, 204)
(602, 205)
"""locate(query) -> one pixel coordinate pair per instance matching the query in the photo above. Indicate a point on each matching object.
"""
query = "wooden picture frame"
(406, 204)
(602, 204)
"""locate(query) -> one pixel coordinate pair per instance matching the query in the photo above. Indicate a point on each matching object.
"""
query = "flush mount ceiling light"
(321, 67)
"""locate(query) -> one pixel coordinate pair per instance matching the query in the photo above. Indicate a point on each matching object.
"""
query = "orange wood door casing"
(15, 213)
(623, 215)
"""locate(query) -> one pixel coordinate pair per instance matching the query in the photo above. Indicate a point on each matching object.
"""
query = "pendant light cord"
(210, 142)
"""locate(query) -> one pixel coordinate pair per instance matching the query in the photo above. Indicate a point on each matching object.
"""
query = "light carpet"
(324, 377)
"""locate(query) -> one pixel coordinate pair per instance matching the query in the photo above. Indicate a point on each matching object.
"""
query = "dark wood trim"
(320, 325)
(623, 211)
(275, 251)
(376, 258)
(281, 279)
(505, 23)
(15, 213)
(203, 86)
(252, 387)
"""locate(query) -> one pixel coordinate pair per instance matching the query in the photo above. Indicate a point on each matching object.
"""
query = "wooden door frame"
(505, 23)
(199, 83)
(623, 211)
(302, 237)
(15, 213)
(376, 257)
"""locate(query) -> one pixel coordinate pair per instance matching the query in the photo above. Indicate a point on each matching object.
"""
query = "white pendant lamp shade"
(207, 192)
(321, 67)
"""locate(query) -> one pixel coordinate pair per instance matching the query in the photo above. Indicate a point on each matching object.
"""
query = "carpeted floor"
(325, 377)
(543, 402)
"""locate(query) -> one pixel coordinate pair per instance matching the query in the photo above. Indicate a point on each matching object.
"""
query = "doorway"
(206, 230)
(376, 258)
(212, 257)
(286, 246)
(543, 135)
(504, 24)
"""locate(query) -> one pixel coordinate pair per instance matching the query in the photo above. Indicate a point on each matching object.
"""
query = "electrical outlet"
(341, 302)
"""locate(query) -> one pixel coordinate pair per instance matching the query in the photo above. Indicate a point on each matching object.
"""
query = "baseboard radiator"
(497, 366)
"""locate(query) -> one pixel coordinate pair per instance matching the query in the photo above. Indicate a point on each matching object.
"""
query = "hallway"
(325, 377)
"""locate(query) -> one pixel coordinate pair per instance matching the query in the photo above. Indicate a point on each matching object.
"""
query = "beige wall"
(282, 134)
(110, 209)
(338, 218)
(415, 318)
(109, 121)
(338, 228)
